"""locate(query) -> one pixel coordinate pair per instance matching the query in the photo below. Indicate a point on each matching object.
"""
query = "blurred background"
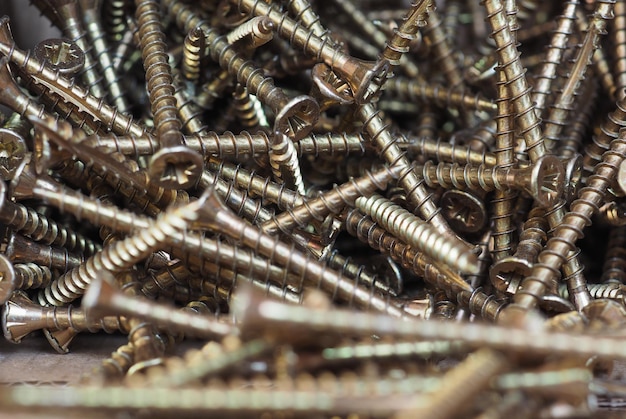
(27, 25)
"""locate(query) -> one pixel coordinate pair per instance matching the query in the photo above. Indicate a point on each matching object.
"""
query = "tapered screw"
(418, 233)
(102, 297)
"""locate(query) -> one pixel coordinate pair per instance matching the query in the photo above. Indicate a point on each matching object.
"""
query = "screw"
(417, 195)
(520, 264)
(543, 180)
(119, 255)
(599, 60)
(70, 18)
(331, 202)
(20, 249)
(369, 232)
(21, 317)
(508, 57)
(61, 55)
(618, 36)
(566, 234)
(614, 259)
(13, 135)
(91, 18)
(554, 55)
(193, 53)
(284, 162)
(216, 216)
(360, 75)
(464, 211)
(174, 165)
(445, 97)
(114, 17)
(458, 386)
(418, 233)
(252, 34)
(294, 117)
(261, 316)
(206, 362)
(248, 109)
(96, 107)
(442, 151)
(503, 200)
(563, 104)
(402, 37)
(40, 228)
(101, 297)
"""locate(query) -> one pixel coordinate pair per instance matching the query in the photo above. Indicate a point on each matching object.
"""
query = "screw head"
(176, 167)
(463, 211)
(297, 117)
(61, 55)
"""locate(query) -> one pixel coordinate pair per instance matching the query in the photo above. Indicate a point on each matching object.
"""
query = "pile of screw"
(358, 208)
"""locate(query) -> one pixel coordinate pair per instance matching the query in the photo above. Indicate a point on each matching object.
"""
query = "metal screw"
(101, 298)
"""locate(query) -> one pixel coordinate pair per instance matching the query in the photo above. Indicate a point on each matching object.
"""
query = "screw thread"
(97, 108)
(441, 96)
(31, 275)
(554, 55)
(158, 70)
(418, 233)
(114, 19)
(284, 162)
(331, 202)
(446, 152)
(189, 113)
(614, 267)
(70, 18)
(443, 53)
(571, 229)
(416, 193)
(248, 110)
(256, 185)
(576, 130)
(193, 52)
(103, 59)
(402, 37)
(252, 34)
(118, 256)
(508, 57)
(303, 11)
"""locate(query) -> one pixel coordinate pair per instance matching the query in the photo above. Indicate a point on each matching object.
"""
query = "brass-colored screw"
(563, 103)
(503, 200)
(570, 230)
(193, 53)
(360, 75)
(554, 55)
(174, 165)
(19, 249)
(96, 107)
(445, 97)
(458, 386)
(284, 162)
(70, 18)
(544, 180)
(21, 317)
(618, 36)
(102, 297)
(294, 117)
(331, 202)
(252, 34)
(261, 316)
(91, 21)
(418, 233)
(508, 57)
